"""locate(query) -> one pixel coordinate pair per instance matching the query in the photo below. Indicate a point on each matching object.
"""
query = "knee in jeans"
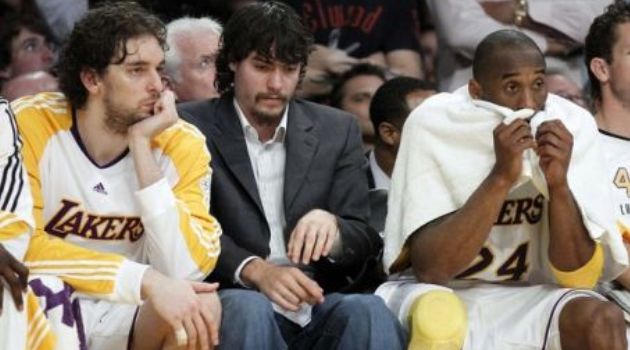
(364, 305)
(244, 302)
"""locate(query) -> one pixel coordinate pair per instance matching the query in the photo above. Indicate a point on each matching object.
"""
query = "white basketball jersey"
(617, 152)
(512, 250)
(166, 224)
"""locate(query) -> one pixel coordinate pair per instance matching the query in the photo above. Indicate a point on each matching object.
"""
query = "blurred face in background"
(562, 86)
(198, 51)
(357, 94)
(31, 52)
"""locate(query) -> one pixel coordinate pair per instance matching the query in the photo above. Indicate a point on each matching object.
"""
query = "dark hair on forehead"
(271, 29)
(100, 39)
(389, 103)
(10, 28)
(360, 69)
(601, 38)
(486, 53)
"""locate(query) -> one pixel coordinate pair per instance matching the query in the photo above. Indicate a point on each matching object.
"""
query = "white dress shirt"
(381, 180)
(268, 161)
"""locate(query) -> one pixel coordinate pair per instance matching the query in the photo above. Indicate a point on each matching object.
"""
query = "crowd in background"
(424, 39)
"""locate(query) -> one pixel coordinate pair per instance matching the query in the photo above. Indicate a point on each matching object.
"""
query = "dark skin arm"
(444, 248)
(15, 275)
(570, 246)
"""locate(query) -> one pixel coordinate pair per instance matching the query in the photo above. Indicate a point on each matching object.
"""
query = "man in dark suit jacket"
(389, 108)
(290, 193)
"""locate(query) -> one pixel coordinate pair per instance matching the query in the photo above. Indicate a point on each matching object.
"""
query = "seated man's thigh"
(248, 321)
(516, 317)
(589, 323)
(107, 325)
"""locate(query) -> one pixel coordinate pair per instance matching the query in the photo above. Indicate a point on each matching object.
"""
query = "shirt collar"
(281, 130)
(381, 180)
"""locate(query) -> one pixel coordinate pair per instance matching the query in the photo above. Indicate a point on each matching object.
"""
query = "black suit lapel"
(301, 146)
(230, 143)
(370, 175)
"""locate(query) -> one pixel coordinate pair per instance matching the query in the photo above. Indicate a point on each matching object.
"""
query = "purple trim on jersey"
(71, 308)
(608, 133)
(76, 308)
(77, 137)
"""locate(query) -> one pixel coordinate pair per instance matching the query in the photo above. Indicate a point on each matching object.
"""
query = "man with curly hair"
(113, 169)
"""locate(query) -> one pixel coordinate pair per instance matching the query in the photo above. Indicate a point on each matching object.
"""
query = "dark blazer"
(325, 169)
(378, 199)
(368, 172)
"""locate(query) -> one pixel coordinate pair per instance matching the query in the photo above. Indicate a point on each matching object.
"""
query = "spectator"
(138, 179)
(380, 32)
(427, 38)
(29, 84)
(353, 92)
(25, 46)
(474, 208)
(563, 86)
(190, 68)
(292, 198)
(389, 108)
(556, 26)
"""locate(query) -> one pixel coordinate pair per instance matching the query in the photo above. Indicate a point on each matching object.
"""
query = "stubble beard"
(118, 119)
(270, 117)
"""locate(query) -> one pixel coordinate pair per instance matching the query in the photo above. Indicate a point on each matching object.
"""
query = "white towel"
(447, 151)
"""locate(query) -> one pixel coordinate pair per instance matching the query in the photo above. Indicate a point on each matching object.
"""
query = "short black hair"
(389, 103)
(271, 29)
(336, 95)
(100, 39)
(501, 40)
(601, 38)
(12, 24)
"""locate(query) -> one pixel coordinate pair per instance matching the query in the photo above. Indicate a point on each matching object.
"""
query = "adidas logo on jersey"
(99, 188)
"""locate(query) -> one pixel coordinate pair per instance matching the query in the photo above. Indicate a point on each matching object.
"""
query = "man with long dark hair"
(290, 192)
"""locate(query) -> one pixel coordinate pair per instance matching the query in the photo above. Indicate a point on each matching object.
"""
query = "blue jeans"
(343, 321)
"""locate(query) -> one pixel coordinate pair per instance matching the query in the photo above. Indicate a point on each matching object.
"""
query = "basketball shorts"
(499, 316)
(107, 325)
